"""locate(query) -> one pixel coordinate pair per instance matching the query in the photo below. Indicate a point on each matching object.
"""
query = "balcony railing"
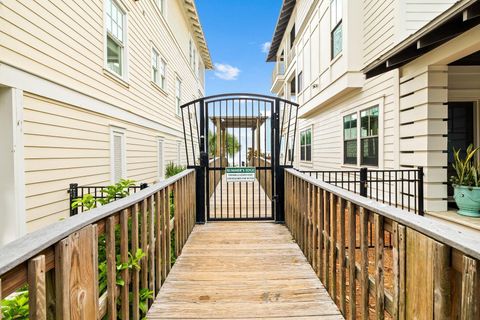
(75, 192)
(278, 70)
(290, 56)
(399, 188)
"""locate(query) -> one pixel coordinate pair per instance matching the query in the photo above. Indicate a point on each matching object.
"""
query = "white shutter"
(161, 164)
(118, 156)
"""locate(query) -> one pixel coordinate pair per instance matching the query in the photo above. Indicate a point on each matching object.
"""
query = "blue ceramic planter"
(468, 200)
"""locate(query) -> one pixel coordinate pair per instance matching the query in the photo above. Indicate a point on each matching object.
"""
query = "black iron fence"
(75, 192)
(399, 188)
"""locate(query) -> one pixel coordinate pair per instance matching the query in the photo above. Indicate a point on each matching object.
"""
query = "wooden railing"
(60, 263)
(264, 177)
(215, 176)
(429, 272)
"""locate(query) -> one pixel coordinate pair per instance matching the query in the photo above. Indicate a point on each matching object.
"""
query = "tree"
(232, 147)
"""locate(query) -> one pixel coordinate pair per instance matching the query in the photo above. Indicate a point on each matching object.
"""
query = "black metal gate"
(239, 145)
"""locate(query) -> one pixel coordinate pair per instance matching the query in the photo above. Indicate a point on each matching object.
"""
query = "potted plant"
(466, 182)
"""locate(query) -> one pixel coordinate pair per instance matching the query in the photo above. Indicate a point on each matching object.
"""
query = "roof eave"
(438, 31)
(280, 27)
(192, 13)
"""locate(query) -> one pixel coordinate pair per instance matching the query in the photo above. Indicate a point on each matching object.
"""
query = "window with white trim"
(158, 69)
(160, 160)
(369, 136)
(178, 94)
(161, 6)
(361, 136)
(350, 139)
(115, 20)
(118, 158)
(306, 145)
(190, 50)
(336, 43)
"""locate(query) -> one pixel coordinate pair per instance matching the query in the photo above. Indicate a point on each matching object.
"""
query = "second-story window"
(158, 69)
(300, 82)
(161, 6)
(155, 66)
(336, 9)
(178, 94)
(292, 36)
(115, 38)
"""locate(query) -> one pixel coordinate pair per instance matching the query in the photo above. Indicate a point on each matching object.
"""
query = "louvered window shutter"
(117, 157)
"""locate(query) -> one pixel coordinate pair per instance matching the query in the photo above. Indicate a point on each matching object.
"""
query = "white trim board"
(20, 79)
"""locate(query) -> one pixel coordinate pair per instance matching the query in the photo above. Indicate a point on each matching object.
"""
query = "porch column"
(12, 184)
(259, 146)
(224, 143)
(423, 131)
(218, 137)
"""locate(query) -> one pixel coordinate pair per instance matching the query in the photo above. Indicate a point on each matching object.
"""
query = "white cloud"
(266, 47)
(226, 71)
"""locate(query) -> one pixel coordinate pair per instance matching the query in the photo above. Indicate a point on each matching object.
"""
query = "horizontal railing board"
(26, 247)
(464, 242)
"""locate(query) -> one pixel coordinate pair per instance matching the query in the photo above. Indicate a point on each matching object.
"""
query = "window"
(161, 164)
(115, 38)
(161, 6)
(190, 51)
(155, 66)
(369, 136)
(300, 82)
(178, 94)
(306, 145)
(336, 27)
(117, 161)
(292, 36)
(194, 61)
(158, 69)
(350, 139)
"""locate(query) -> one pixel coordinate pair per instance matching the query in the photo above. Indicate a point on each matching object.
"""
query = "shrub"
(173, 169)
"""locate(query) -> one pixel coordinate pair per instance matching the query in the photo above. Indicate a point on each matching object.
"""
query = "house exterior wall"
(428, 84)
(53, 53)
(336, 87)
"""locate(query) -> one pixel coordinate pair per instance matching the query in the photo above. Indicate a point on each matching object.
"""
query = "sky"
(238, 34)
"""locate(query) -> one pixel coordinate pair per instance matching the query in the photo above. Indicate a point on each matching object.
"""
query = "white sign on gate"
(240, 174)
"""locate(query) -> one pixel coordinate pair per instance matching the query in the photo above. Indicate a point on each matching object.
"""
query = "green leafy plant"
(87, 201)
(232, 144)
(15, 307)
(467, 169)
(173, 169)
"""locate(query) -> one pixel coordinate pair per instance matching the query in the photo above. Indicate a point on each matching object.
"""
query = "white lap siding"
(66, 144)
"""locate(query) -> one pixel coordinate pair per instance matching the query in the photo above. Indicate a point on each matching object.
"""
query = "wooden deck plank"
(242, 270)
(239, 200)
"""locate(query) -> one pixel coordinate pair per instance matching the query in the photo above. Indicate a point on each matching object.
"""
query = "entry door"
(460, 133)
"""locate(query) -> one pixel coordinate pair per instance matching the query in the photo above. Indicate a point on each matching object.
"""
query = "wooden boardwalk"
(240, 200)
(242, 270)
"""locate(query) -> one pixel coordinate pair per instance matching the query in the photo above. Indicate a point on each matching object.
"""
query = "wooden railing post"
(77, 275)
(470, 289)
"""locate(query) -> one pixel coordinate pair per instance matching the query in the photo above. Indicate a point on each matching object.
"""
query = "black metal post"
(73, 191)
(363, 182)
(143, 185)
(421, 209)
(200, 171)
(278, 170)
